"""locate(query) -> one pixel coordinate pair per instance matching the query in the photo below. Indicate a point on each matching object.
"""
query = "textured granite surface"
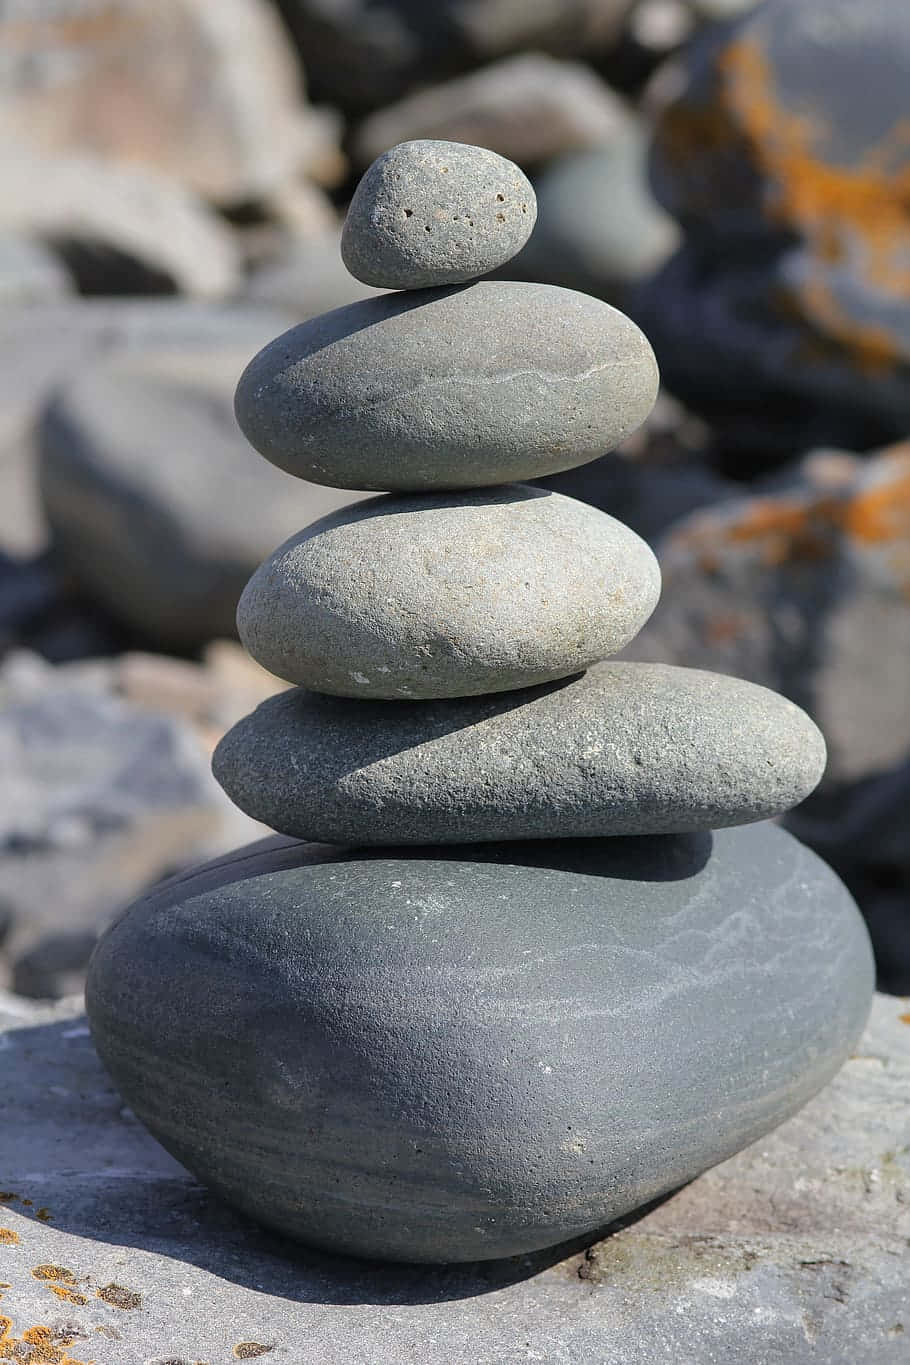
(431, 213)
(448, 388)
(449, 595)
(626, 748)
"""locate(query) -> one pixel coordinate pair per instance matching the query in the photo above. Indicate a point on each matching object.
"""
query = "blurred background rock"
(735, 176)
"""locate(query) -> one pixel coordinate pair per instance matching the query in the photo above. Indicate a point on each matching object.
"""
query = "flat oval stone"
(627, 748)
(449, 596)
(448, 388)
(477, 1052)
(431, 213)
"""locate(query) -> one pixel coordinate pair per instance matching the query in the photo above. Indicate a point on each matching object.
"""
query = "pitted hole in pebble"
(409, 213)
(500, 198)
(426, 227)
(500, 217)
(170, 1360)
(524, 208)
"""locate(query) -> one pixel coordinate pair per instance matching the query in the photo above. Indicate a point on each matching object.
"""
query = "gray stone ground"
(794, 1251)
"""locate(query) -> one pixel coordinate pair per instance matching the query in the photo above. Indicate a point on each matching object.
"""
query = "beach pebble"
(448, 596)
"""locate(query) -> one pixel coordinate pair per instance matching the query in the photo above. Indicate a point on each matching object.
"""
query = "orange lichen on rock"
(873, 511)
(69, 1295)
(118, 1297)
(54, 1272)
(837, 208)
(8, 1237)
(36, 1346)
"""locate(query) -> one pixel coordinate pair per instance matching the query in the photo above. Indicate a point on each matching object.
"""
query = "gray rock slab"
(451, 596)
(448, 388)
(528, 108)
(792, 1251)
(30, 272)
(626, 748)
(156, 504)
(431, 213)
(467, 1054)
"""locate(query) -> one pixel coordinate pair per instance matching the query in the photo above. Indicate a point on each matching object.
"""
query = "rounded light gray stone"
(627, 748)
(460, 387)
(474, 1053)
(448, 595)
(430, 213)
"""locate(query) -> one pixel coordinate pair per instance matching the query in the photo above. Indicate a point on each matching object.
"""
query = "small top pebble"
(431, 213)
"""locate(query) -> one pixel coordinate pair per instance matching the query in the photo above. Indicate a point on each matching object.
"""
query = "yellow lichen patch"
(8, 1237)
(118, 1297)
(36, 1346)
(881, 513)
(788, 530)
(54, 1272)
(251, 1350)
(874, 511)
(69, 1295)
(904, 1018)
(839, 209)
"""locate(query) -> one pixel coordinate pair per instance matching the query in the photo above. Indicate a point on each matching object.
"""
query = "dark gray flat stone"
(627, 748)
(448, 596)
(432, 213)
(461, 387)
(455, 1054)
(792, 1251)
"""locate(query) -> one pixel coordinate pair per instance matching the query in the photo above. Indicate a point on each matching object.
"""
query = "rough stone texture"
(431, 213)
(624, 749)
(363, 53)
(807, 590)
(121, 228)
(449, 596)
(794, 1250)
(599, 228)
(528, 108)
(786, 160)
(427, 1064)
(448, 388)
(163, 519)
(205, 93)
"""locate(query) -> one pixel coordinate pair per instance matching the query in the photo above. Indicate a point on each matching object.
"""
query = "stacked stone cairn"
(541, 967)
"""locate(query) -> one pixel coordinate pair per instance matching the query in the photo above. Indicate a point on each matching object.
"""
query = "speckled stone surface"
(626, 748)
(449, 595)
(430, 213)
(473, 1053)
(448, 388)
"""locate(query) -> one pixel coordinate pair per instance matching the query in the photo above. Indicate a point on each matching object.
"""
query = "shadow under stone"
(88, 1168)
